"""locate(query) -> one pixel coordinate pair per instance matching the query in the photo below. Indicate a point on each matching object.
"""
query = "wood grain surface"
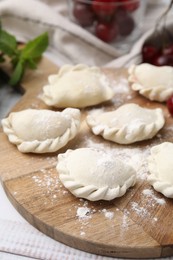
(137, 225)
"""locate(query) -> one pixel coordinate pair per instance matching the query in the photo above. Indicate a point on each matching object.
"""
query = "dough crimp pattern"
(77, 86)
(124, 134)
(159, 183)
(48, 145)
(90, 192)
(161, 186)
(154, 83)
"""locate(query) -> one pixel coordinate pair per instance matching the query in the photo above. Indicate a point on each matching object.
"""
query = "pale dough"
(77, 86)
(127, 124)
(160, 165)
(94, 174)
(41, 131)
(153, 82)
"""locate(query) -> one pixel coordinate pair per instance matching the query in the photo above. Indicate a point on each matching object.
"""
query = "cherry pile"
(158, 48)
(110, 18)
(158, 56)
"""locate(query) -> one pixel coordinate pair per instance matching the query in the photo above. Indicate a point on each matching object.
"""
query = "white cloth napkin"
(69, 43)
(27, 19)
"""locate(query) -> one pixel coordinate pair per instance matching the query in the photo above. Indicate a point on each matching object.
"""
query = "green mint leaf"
(35, 48)
(21, 59)
(31, 64)
(17, 73)
(8, 43)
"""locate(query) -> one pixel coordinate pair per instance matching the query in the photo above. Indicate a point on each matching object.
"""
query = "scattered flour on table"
(51, 187)
(155, 219)
(125, 220)
(151, 202)
(150, 194)
(121, 86)
(83, 213)
(46, 180)
(139, 210)
(108, 214)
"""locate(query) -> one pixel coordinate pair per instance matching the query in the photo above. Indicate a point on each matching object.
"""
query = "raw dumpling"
(160, 165)
(128, 124)
(94, 174)
(41, 131)
(155, 83)
(77, 86)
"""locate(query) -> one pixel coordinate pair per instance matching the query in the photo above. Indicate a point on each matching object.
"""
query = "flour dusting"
(135, 157)
(141, 211)
(121, 86)
(125, 221)
(49, 184)
(108, 214)
(150, 194)
(83, 213)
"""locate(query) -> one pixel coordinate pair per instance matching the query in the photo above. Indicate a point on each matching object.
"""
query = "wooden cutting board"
(138, 225)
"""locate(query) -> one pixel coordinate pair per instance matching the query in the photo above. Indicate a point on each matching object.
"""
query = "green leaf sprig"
(21, 58)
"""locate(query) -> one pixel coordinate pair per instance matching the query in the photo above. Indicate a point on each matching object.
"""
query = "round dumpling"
(153, 82)
(77, 86)
(127, 124)
(41, 131)
(94, 174)
(160, 165)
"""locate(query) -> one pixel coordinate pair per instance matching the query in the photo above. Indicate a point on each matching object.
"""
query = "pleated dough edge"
(118, 135)
(90, 192)
(46, 146)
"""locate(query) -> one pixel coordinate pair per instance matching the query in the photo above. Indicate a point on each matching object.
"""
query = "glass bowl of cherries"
(116, 22)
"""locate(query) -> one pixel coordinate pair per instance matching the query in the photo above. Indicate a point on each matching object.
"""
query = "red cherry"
(161, 60)
(170, 60)
(124, 21)
(168, 50)
(106, 32)
(169, 104)
(149, 53)
(83, 13)
(104, 7)
(130, 5)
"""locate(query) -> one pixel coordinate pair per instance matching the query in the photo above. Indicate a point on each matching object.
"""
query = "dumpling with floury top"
(153, 82)
(41, 131)
(94, 174)
(127, 124)
(160, 165)
(77, 86)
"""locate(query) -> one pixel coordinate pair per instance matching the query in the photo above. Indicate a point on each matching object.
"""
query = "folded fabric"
(24, 240)
(70, 42)
(75, 43)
